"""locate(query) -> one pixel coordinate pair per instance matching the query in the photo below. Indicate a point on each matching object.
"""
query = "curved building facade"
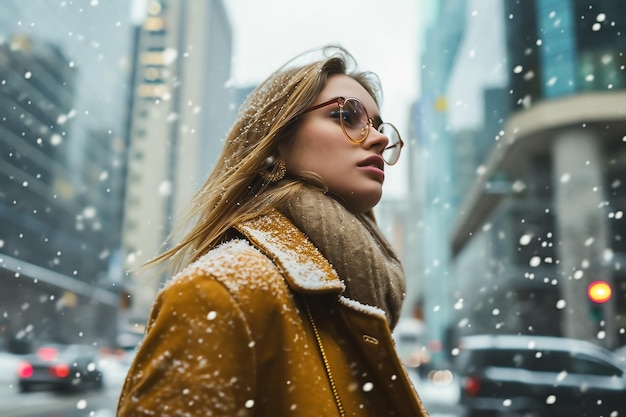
(536, 121)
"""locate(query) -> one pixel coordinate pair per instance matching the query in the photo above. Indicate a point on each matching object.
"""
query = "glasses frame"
(341, 101)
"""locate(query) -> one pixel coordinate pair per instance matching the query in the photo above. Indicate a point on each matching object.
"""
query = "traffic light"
(599, 292)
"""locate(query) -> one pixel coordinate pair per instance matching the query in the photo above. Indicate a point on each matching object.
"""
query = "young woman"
(286, 291)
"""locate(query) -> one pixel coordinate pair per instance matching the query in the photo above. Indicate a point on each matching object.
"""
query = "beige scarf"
(355, 247)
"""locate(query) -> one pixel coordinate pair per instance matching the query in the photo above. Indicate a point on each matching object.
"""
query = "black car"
(508, 375)
(60, 368)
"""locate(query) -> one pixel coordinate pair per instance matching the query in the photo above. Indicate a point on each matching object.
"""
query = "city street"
(261, 185)
(439, 399)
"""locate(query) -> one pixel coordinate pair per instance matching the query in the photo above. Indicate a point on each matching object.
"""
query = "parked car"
(508, 375)
(60, 368)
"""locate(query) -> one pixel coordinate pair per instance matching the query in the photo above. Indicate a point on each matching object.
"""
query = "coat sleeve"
(197, 358)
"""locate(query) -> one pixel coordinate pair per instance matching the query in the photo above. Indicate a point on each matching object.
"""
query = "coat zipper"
(331, 380)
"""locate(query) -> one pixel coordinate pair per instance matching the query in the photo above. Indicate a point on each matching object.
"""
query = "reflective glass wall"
(64, 99)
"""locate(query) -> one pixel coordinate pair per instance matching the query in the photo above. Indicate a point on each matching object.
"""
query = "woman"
(288, 291)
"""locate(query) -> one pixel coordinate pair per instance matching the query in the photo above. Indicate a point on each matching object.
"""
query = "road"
(46, 404)
(41, 404)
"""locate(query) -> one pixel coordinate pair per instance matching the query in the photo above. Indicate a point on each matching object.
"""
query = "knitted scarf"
(355, 247)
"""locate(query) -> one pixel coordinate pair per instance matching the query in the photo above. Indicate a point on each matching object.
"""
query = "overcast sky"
(384, 37)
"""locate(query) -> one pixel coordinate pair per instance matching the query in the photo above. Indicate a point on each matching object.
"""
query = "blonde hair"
(235, 191)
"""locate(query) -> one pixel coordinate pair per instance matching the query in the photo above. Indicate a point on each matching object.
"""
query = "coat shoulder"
(238, 266)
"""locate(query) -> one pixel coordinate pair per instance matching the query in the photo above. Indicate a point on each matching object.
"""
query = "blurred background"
(507, 206)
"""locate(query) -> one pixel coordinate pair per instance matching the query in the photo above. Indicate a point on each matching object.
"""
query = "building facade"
(537, 122)
(182, 108)
(63, 92)
(432, 175)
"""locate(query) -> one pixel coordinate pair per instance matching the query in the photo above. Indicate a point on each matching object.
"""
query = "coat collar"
(305, 269)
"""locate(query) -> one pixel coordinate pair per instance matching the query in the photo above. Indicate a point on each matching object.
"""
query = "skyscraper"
(63, 78)
(182, 108)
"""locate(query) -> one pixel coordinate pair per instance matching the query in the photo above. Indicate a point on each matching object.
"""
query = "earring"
(276, 169)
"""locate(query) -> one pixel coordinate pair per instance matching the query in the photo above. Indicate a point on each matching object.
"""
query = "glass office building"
(64, 71)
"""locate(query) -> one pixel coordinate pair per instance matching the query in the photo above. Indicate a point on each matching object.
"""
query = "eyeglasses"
(355, 124)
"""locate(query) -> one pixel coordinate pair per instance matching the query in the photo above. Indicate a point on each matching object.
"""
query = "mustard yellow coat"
(232, 336)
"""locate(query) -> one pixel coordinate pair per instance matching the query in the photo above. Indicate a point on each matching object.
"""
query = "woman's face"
(354, 172)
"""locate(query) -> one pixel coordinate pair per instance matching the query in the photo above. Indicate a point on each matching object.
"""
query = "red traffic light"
(599, 291)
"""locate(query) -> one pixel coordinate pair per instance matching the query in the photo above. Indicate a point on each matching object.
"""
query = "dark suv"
(508, 375)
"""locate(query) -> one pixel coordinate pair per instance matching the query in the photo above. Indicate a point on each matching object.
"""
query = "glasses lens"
(391, 154)
(354, 120)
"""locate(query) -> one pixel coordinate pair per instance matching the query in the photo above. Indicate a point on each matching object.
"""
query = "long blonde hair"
(235, 191)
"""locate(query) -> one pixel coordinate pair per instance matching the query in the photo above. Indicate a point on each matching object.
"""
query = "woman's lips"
(375, 161)
(374, 165)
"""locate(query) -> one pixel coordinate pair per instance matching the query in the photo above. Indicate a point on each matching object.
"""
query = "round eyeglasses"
(355, 124)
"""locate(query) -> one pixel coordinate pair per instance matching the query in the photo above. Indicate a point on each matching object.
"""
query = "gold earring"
(276, 170)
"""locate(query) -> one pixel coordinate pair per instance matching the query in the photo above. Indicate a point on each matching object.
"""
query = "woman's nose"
(376, 139)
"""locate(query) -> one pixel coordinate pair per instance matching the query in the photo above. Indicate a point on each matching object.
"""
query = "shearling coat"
(238, 333)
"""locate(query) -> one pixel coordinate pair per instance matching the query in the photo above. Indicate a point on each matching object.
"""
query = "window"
(588, 365)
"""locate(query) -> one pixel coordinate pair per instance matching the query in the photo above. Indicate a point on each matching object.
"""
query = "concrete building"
(181, 111)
